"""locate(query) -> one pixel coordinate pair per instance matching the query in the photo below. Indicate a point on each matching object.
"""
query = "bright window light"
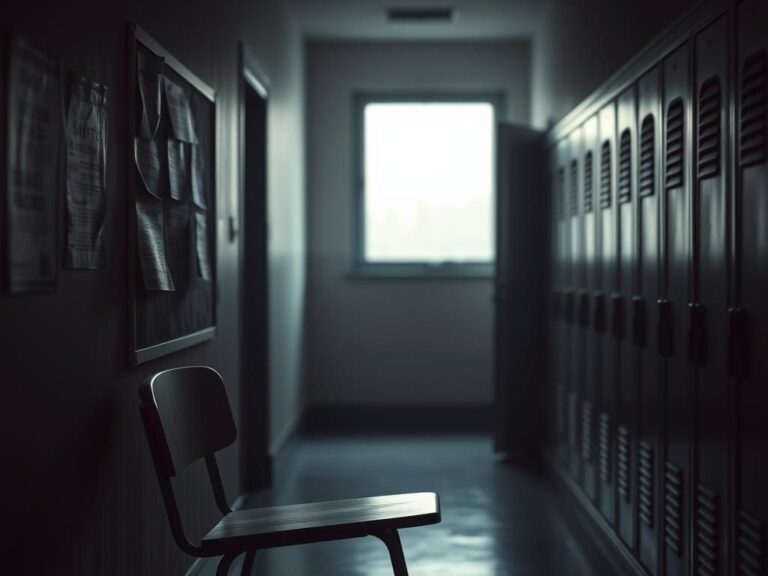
(429, 180)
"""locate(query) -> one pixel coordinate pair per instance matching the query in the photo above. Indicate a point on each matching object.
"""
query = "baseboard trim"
(393, 419)
(612, 545)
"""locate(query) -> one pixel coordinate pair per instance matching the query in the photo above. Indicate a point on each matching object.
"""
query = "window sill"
(421, 272)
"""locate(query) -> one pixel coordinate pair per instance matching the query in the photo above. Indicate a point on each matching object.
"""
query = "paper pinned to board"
(150, 73)
(201, 243)
(182, 122)
(149, 164)
(32, 185)
(178, 169)
(151, 244)
(199, 196)
(178, 241)
(86, 132)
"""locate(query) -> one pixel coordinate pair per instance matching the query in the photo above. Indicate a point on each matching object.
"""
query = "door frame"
(255, 457)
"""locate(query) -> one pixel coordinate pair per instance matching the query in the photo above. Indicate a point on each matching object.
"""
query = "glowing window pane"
(429, 179)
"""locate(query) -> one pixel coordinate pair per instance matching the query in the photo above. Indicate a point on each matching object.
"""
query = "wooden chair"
(187, 417)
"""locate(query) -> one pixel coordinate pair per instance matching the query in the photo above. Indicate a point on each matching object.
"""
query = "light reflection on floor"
(498, 519)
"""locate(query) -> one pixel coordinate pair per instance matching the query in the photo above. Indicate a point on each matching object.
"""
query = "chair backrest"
(189, 415)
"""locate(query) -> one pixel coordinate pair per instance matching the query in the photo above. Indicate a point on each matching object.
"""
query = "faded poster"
(201, 234)
(34, 136)
(86, 164)
(151, 244)
(180, 113)
(178, 169)
(150, 72)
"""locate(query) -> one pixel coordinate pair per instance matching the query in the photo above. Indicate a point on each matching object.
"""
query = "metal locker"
(586, 307)
(708, 307)
(562, 280)
(650, 423)
(749, 318)
(626, 393)
(576, 337)
(608, 345)
(673, 313)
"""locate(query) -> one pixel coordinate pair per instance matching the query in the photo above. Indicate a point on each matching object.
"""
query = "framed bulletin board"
(172, 178)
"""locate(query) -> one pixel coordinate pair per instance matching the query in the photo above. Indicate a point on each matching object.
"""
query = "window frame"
(362, 268)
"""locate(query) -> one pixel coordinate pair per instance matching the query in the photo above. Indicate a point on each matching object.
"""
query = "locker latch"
(584, 310)
(556, 304)
(599, 312)
(638, 321)
(697, 334)
(569, 306)
(619, 323)
(738, 343)
(665, 339)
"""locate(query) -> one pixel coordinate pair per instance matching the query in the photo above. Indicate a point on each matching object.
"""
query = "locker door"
(708, 310)
(674, 315)
(562, 273)
(586, 308)
(577, 284)
(751, 158)
(608, 367)
(643, 328)
(626, 400)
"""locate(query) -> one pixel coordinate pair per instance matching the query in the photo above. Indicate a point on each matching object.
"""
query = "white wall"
(392, 341)
(580, 43)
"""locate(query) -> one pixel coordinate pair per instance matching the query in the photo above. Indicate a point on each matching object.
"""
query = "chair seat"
(320, 521)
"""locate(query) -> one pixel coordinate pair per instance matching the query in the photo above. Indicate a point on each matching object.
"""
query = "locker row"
(659, 331)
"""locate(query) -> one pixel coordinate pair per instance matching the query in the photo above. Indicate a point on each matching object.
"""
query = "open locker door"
(522, 241)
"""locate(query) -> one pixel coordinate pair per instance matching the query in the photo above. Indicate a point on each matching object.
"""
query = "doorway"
(256, 471)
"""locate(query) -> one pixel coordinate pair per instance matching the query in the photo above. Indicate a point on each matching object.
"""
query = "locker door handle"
(738, 343)
(619, 322)
(599, 312)
(638, 321)
(584, 310)
(665, 336)
(697, 334)
(556, 305)
(569, 306)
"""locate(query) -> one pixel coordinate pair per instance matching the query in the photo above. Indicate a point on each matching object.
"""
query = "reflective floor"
(499, 519)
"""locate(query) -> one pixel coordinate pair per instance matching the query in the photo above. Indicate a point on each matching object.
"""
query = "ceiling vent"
(421, 15)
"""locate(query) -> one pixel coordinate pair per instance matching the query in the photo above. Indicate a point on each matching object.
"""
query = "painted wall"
(580, 43)
(392, 341)
(80, 496)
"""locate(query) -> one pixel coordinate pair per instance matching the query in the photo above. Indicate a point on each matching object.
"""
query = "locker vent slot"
(573, 421)
(647, 157)
(605, 175)
(710, 106)
(646, 487)
(625, 167)
(675, 143)
(604, 445)
(623, 463)
(573, 199)
(750, 545)
(706, 557)
(560, 410)
(752, 106)
(560, 200)
(586, 431)
(673, 508)
(589, 183)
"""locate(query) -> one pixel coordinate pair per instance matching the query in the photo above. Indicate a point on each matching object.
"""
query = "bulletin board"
(172, 204)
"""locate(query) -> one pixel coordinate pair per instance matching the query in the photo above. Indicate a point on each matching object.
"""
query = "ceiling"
(367, 19)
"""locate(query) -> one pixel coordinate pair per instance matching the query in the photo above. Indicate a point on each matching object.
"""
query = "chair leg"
(224, 564)
(248, 563)
(395, 548)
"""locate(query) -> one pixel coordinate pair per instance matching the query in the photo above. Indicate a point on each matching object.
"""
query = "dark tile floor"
(499, 519)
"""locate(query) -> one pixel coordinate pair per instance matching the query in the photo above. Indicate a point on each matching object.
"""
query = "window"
(425, 200)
